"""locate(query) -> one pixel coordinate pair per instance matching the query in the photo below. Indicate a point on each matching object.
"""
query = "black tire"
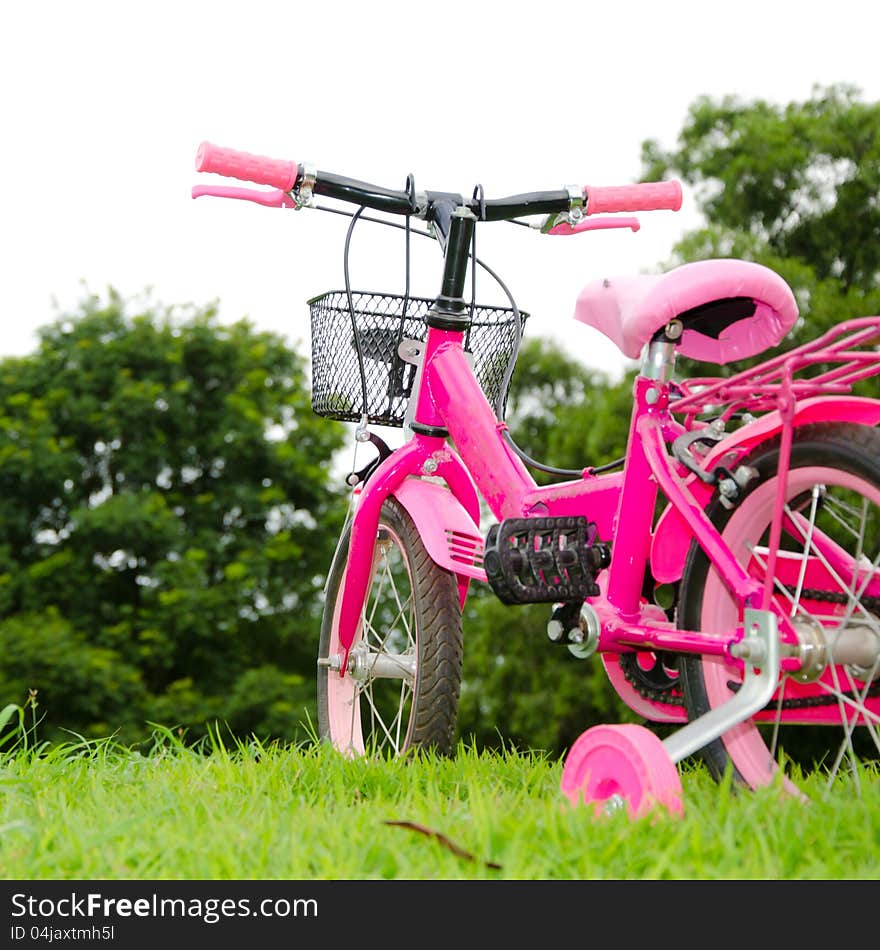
(415, 625)
(843, 460)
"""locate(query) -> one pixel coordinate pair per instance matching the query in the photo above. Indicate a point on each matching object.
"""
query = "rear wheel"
(826, 582)
(401, 686)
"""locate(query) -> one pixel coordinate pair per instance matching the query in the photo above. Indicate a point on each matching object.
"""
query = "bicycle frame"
(484, 463)
(621, 505)
(459, 455)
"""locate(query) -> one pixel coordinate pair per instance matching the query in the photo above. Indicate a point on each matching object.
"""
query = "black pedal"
(544, 560)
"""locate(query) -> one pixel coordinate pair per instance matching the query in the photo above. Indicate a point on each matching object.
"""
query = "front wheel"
(826, 591)
(401, 686)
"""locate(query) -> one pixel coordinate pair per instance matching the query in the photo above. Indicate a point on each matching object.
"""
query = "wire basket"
(381, 322)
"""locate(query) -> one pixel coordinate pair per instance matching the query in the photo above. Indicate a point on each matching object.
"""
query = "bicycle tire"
(412, 619)
(843, 460)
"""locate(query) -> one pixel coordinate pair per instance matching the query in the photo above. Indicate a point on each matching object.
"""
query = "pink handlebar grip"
(646, 196)
(278, 173)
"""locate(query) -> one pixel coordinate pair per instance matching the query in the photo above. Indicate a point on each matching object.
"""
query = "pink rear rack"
(843, 357)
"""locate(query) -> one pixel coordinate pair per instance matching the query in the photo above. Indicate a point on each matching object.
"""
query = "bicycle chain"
(635, 676)
(835, 597)
(665, 694)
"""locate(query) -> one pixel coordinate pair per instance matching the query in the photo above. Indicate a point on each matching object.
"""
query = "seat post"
(658, 359)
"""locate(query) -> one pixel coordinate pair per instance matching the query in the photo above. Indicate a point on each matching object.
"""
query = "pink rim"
(744, 744)
(625, 761)
(343, 701)
(343, 719)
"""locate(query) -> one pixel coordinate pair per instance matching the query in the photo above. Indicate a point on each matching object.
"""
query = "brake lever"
(276, 198)
(557, 224)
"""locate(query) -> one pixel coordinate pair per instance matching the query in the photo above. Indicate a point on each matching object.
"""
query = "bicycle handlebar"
(285, 175)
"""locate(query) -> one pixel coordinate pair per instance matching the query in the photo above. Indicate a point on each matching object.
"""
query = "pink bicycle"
(768, 535)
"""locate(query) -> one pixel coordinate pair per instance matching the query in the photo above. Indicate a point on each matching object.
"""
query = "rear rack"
(841, 358)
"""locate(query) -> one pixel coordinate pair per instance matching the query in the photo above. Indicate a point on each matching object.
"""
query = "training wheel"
(621, 764)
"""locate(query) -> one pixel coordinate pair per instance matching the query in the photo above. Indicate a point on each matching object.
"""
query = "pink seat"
(630, 310)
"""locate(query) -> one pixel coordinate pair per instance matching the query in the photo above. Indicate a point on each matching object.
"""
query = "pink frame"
(622, 504)
(484, 463)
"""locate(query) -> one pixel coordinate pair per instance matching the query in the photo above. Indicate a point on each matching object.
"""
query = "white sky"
(105, 103)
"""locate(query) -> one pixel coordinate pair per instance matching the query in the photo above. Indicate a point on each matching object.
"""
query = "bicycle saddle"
(730, 309)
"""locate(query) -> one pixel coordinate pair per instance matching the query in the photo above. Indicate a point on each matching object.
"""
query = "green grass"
(98, 811)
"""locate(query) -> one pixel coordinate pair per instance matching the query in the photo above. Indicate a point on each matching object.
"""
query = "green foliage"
(563, 413)
(802, 178)
(165, 523)
(793, 187)
(79, 686)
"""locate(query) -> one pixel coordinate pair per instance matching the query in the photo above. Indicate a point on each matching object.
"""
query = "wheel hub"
(853, 645)
(365, 665)
(811, 650)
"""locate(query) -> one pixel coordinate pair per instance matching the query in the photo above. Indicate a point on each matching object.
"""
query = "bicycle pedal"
(544, 560)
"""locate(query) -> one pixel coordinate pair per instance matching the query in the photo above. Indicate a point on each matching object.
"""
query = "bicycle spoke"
(402, 607)
(400, 705)
(377, 719)
(777, 721)
(834, 504)
(377, 599)
(846, 700)
(849, 725)
(860, 546)
(850, 576)
(753, 551)
(381, 707)
(852, 602)
(803, 571)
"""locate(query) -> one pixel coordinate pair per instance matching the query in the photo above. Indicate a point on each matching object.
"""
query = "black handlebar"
(331, 185)
(362, 193)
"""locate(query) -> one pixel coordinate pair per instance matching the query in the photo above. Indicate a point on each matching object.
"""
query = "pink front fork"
(448, 385)
(423, 455)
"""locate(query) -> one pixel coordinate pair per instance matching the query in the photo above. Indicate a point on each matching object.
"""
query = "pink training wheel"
(624, 762)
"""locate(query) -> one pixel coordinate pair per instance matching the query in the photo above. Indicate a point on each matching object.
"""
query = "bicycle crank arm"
(759, 650)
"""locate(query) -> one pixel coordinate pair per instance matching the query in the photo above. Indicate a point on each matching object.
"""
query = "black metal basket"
(381, 322)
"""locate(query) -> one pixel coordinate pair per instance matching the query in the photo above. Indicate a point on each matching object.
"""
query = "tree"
(165, 523)
(794, 187)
